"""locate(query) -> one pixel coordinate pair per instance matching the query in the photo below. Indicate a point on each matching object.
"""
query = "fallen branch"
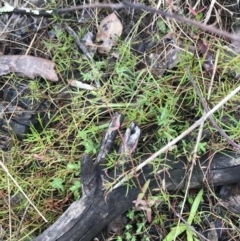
(85, 218)
(125, 4)
(174, 141)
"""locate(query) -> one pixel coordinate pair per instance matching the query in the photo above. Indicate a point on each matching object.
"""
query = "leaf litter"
(108, 33)
(28, 66)
(109, 30)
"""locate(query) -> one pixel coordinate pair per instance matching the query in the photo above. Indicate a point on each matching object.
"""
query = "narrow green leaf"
(189, 235)
(176, 231)
(146, 185)
(195, 206)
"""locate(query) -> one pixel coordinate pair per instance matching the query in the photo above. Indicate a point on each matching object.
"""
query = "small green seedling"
(176, 231)
(57, 183)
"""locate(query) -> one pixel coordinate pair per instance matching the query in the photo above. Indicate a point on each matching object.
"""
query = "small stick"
(206, 109)
(22, 219)
(189, 226)
(83, 49)
(49, 13)
(180, 18)
(109, 137)
(21, 190)
(78, 42)
(173, 142)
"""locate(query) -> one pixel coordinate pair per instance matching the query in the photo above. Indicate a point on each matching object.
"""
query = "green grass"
(46, 163)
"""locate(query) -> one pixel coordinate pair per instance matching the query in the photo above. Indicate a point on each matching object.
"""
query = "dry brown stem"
(180, 18)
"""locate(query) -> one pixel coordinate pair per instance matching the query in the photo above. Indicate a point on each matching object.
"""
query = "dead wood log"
(85, 218)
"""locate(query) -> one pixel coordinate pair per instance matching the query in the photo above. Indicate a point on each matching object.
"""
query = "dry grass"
(40, 174)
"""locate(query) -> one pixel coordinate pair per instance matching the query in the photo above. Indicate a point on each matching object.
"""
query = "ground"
(145, 66)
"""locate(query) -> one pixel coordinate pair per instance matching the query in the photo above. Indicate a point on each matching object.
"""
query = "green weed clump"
(46, 164)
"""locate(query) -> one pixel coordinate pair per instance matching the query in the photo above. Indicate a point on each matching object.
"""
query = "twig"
(21, 190)
(22, 219)
(209, 12)
(173, 142)
(206, 109)
(9, 209)
(190, 171)
(124, 4)
(34, 37)
(27, 11)
(180, 18)
(200, 131)
(78, 42)
(109, 137)
(83, 49)
(189, 226)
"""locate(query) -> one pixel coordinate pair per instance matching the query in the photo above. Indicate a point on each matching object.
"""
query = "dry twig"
(124, 4)
(173, 142)
(206, 109)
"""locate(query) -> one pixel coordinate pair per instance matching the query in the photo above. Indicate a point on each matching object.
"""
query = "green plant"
(46, 162)
(186, 227)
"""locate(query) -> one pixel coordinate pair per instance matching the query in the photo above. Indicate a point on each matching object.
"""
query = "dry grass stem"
(180, 18)
(173, 142)
(20, 189)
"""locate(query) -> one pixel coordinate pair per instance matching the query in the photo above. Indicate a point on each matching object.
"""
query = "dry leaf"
(28, 66)
(109, 29)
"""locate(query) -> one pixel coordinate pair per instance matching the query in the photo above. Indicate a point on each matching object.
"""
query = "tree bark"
(85, 218)
(88, 216)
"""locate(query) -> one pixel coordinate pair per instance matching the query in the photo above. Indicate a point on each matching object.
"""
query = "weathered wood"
(109, 137)
(86, 217)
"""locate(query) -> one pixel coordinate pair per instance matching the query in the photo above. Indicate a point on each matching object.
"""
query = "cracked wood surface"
(85, 218)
